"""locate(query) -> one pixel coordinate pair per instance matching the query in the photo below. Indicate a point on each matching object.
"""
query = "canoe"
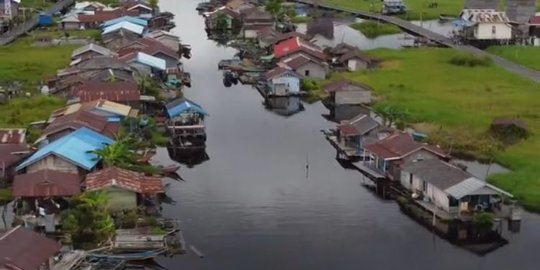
(137, 256)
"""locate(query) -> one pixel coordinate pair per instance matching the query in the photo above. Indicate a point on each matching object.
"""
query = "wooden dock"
(343, 151)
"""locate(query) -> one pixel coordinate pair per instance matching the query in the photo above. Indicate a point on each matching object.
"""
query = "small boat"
(446, 18)
(170, 168)
(136, 256)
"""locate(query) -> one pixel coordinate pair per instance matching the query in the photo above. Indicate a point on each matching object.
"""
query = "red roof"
(151, 47)
(82, 118)
(289, 35)
(296, 44)
(125, 179)
(119, 91)
(347, 129)
(46, 183)
(400, 145)
(11, 154)
(534, 20)
(106, 15)
(24, 249)
(12, 135)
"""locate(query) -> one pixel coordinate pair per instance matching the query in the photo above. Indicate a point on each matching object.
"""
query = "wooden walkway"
(435, 37)
(31, 23)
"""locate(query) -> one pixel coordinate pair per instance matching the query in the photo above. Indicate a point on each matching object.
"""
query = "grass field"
(418, 8)
(29, 64)
(372, 29)
(456, 104)
(527, 56)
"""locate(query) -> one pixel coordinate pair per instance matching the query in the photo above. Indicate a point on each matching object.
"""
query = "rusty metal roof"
(125, 179)
(12, 135)
(80, 119)
(10, 154)
(21, 248)
(119, 91)
(46, 183)
(400, 145)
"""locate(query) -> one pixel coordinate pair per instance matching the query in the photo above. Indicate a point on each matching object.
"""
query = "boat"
(170, 168)
(446, 18)
(223, 64)
(135, 256)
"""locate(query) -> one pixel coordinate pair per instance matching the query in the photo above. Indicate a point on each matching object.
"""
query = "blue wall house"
(282, 82)
(186, 123)
(71, 153)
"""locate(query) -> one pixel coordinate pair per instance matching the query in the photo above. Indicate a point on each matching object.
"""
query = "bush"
(372, 29)
(309, 85)
(470, 60)
(483, 222)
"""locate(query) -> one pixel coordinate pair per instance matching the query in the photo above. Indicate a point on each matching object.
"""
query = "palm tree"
(117, 154)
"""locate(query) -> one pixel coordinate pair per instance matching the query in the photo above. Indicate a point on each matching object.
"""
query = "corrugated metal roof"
(179, 106)
(135, 28)
(125, 179)
(130, 19)
(465, 187)
(74, 147)
(12, 135)
(108, 107)
(21, 248)
(152, 61)
(92, 47)
(46, 183)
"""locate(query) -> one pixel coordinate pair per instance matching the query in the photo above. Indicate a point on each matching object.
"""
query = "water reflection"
(188, 158)
(284, 106)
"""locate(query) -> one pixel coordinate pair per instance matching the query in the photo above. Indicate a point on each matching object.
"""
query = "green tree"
(274, 7)
(392, 115)
(117, 154)
(88, 221)
(483, 222)
(153, 3)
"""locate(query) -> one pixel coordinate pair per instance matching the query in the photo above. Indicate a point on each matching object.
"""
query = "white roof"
(484, 16)
(473, 186)
(158, 33)
(81, 5)
(149, 60)
(135, 28)
(140, 5)
(70, 18)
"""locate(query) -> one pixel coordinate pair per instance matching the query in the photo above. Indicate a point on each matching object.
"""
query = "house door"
(281, 89)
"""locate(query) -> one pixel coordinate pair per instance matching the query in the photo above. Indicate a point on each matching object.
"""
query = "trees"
(88, 220)
(117, 154)
(392, 115)
(153, 3)
(274, 7)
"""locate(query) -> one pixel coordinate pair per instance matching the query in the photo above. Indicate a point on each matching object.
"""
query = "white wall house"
(283, 82)
(486, 24)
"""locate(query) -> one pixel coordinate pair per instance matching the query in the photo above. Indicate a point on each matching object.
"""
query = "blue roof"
(132, 27)
(152, 61)
(179, 106)
(73, 147)
(130, 19)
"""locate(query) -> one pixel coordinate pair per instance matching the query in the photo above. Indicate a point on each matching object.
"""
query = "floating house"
(222, 18)
(308, 67)
(385, 158)
(346, 97)
(266, 37)
(352, 135)
(71, 153)
(282, 82)
(255, 20)
(485, 25)
(145, 64)
(443, 187)
(296, 46)
(119, 38)
(125, 189)
(154, 48)
(185, 124)
(69, 123)
(166, 38)
(24, 249)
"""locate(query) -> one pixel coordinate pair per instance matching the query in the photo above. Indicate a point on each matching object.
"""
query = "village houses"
(282, 82)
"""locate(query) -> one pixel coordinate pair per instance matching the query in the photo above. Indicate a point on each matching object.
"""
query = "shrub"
(309, 85)
(470, 60)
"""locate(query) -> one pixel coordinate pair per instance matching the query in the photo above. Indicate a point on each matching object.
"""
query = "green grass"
(417, 8)
(5, 195)
(30, 64)
(525, 55)
(372, 29)
(305, 19)
(19, 112)
(456, 104)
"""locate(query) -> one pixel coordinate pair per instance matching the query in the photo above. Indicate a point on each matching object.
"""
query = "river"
(252, 205)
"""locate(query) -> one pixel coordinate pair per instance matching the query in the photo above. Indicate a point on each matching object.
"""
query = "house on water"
(71, 153)
(185, 124)
(442, 187)
(385, 158)
(485, 27)
(308, 67)
(154, 48)
(27, 250)
(125, 189)
(312, 65)
(146, 64)
(281, 82)
(222, 19)
(254, 20)
(166, 38)
(346, 99)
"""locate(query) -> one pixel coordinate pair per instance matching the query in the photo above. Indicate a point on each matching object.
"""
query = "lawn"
(19, 112)
(456, 104)
(372, 29)
(416, 7)
(30, 64)
(527, 56)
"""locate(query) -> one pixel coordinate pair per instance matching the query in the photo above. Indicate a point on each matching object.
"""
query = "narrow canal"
(253, 204)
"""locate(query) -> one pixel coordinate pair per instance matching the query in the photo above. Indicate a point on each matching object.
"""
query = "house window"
(494, 29)
(306, 73)
(452, 202)
(410, 179)
(424, 186)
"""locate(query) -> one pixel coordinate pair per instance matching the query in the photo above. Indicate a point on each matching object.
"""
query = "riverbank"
(528, 56)
(373, 29)
(417, 9)
(455, 105)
